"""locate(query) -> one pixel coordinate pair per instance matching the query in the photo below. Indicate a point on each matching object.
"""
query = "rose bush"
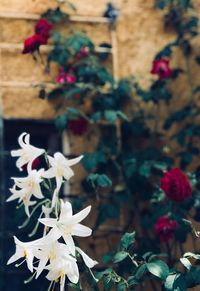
(133, 165)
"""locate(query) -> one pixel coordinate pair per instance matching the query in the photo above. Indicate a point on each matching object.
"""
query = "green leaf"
(107, 258)
(140, 272)
(122, 115)
(186, 263)
(120, 256)
(61, 122)
(73, 286)
(160, 4)
(147, 255)
(91, 160)
(100, 180)
(132, 281)
(73, 113)
(159, 269)
(104, 181)
(55, 15)
(121, 286)
(99, 275)
(70, 92)
(193, 277)
(145, 169)
(127, 239)
(175, 282)
(185, 3)
(130, 166)
(191, 255)
(108, 284)
(96, 116)
(110, 116)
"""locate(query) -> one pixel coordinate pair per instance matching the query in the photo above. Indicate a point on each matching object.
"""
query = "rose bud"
(83, 52)
(164, 228)
(162, 69)
(70, 79)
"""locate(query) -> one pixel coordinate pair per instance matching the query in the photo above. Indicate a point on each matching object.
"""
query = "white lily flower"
(90, 263)
(23, 250)
(61, 268)
(29, 250)
(27, 187)
(60, 170)
(50, 252)
(28, 153)
(68, 224)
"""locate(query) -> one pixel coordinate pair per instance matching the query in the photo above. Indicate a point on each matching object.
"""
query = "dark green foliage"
(159, 269)
(133, 153)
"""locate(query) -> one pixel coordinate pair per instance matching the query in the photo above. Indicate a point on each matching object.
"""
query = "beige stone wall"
(139, 33)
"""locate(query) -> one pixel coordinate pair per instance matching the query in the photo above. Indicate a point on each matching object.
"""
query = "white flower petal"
(16, 153)
(81, 230)
(73, 276)
(51, 222)
(80, 215)
(74, 161)
(69, 242)
(66, 212)
(50, 173)
(68, 173)
(88, 261)
(29, 260)
(53, 275)
(37, 192)
(41, 266)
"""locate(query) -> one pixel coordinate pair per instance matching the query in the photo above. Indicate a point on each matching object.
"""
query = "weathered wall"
(140, 36)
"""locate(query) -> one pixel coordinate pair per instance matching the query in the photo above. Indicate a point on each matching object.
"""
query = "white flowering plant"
(56, 251)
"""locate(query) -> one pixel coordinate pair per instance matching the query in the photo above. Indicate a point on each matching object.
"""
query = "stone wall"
(139, 33)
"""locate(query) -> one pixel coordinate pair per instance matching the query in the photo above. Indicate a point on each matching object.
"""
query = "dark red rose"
(176, 185)
(78, 126)
(164, 228)
(35, 163)
(83, 52)
(33, 43)
(162, 69)
(43, 27)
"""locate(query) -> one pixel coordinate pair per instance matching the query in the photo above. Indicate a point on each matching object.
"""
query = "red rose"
(164, 228)
(78, 126)
(176, 185)
(34, 165)
(161, 68)
(83, 52)
(33, 43)
(43, 27)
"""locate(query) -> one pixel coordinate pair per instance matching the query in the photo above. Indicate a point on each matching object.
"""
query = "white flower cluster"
(56, 251)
